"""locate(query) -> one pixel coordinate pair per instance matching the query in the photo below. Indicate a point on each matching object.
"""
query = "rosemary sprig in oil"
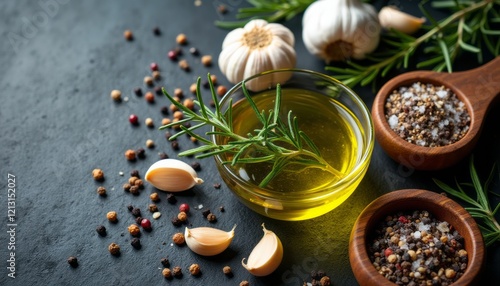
(268, 141)
(479, 205)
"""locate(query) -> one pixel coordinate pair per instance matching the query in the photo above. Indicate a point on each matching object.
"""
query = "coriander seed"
(177, 271)
(244, 283)
(132, 180)
(181, 39)
(114, 248)
(221, 90)
(98, 175)
(194, 269)
(134, 230)
(150, 143)
(211, 217)
(183, 64)
(227, 270)
(101, 191)
(165, 121)
(193, 87)
(167, 273)
(182, 216)
(149, 97)
(130, 155)
(112, 216)
(206, 60)
(173, 107)
(178, 115)
(178, 238)
(116, 95)
(178, 93)
(189, 103)
(156, 75)
(149, 122)
(148, 80)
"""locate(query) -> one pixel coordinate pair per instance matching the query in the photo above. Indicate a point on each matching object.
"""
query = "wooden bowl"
(441, 207)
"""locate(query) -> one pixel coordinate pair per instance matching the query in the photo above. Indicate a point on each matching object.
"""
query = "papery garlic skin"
(392, 18)
(257, 47)
(266, 255)
(208, 241)
(338, 30)
(172, 175)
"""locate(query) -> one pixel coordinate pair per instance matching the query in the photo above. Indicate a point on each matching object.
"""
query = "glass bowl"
(332, 116)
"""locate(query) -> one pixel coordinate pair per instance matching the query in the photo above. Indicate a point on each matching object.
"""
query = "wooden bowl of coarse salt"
(416, 235)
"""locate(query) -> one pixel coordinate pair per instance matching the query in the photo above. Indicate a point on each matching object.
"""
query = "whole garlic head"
(337, 30)
(257, 47)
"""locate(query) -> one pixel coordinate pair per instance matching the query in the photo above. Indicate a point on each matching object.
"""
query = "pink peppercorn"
(153, 66)
(403, 219)
(145, 223)
(172, 55)
(184, 208)
(387, 252)
(133, 119)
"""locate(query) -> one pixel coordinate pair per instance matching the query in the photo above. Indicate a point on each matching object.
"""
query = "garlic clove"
(266, 255)
(208, 241)
(392, 18)
(172, 175)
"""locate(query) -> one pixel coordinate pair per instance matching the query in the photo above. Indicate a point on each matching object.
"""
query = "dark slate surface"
(59, 61)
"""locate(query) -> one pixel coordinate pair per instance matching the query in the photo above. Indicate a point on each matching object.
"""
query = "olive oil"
(329, 124)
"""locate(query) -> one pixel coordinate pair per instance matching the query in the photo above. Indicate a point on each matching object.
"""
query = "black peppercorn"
(171, 198)
(138, 220)
(134, 173)
(165, 262)
(222, 209)
(177, 271)
(136, 243)
(141, 153)
(164, 110)
(73, 261)
(206, 212)
(175, 145)
(168, 135)
(196, 166)
(163, 155)
(130, 208)
(194, 51)
(136, 212)
(101, 230)
(176, 221)
(156, 31)
(217, 186)
(158, 90)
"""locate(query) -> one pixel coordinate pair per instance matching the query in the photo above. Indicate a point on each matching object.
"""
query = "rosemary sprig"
(269, 141)
(480, 207)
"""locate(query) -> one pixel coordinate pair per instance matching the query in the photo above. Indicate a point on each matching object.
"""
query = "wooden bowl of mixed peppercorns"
(416, 237)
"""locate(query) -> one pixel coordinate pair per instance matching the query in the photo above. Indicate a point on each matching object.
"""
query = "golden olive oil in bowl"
(331, 115)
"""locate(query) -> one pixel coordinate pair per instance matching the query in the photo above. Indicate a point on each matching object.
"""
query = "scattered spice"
(149, 97)
(116, 95)
(217, 185)
(196, 166)
(134, 173)
(194, 51)
(427, 115)
(156, 215)
(138, 220)
(172, 55)
(136, 243)
(194, 269)
(130, 208)
(101, 191)
(134, 230)
(171, 198)
(176, 221)
(211, 217)
(130, 155)
(156, 75)
(138, 91)
(192, 88)
(167, 273)
(175, 145)
(141, 154)
(156, 31)
(415, 248)
(182, 216)
(206, 212)
(148, 81)
(133, 119)
(98, 175)
(183, 64)
(227, 271)
(222, 209)
(134, 190)
(149, 122)
(101, 230)
(177, 271)
(221, 90)
(181, 39)
(244, 283)
(153, 208)
(206, 60)
(184, 208)
(150, 143)
(178, 238)
(127, 34)
(189, 103)
(114, 248)
(112, 216)
(165, 262)
(162, 155)
(136, 212)
(73, 261)
(146, 224)
(153, 66)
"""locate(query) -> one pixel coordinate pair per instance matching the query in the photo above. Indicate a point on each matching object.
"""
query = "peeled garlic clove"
(392, 18)
(172, 175)
(208, 241)
(266, 255)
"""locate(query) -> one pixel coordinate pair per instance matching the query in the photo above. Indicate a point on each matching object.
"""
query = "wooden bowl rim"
(442, 207)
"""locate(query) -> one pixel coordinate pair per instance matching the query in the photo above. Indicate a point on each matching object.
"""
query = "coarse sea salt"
(393, 121)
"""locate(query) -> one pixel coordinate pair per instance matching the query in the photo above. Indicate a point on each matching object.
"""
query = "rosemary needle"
(269, 140)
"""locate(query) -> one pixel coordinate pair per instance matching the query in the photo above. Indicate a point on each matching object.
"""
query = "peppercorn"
(127, 34)
(153, 66)
(177, 271)
(211, 217)
(168, 135)
(149, 122)
(221, 8)
(159, 90)
(167, 273)
(133, 119)
(217, 185)
(138, 91)
(153, 208)
(183, 64)
(325, 281)
(130, 155)
(196, 166)
(138, 220)
(136, 212)
(139, 183)
(206, 212)
(114, 248)
(221, 90)
(98, 175)
(141, 153)
(194, 269)
(154, 197)
(222, 209)
(194, 51)
(173, 107)
(146, 224)
(178, 238)
(175, 145)
(206, 60)
(227, 270)
(149, 97)
(244, 283)
(172, 55)
(134, 190)
(134, 173)
(150, 143)
(156, 31)
(101, 230)
(148, 80)
(171, 198)
(101, 191)
(130, 208)
(134, 230)
(116, 95)
(184, 208)
(112, 216)
(157, 76)
(178, 93)
(73, 261)
(136, 243)
(181, 39)
(193, 87)
(165, 262)
(182, 216)
(162, 155)
(176, 221)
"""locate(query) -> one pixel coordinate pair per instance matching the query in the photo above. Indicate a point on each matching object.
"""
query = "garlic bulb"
(337, 30)
(257, 47)
(266, 255)
(172, 175)
(392, 18)
(208, 241)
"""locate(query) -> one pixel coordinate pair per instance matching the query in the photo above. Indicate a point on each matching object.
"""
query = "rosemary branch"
(268, 142)
(480, 207)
